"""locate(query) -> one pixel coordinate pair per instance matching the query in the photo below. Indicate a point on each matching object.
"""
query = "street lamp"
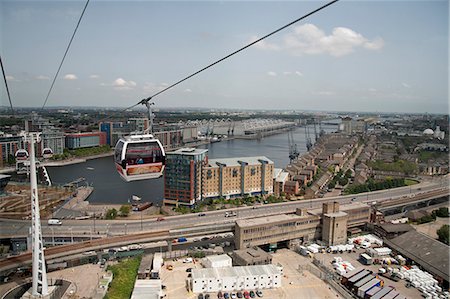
(53, 236)
(125, 228)
(71, 235)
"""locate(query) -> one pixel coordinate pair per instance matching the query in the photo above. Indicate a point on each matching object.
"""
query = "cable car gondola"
(139, 157)
(47, 153)
(21, 154)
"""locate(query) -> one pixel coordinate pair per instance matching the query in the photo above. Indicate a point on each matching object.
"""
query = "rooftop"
(269, 219)
(431, 254)
(188, 151)
(241, 271)
(394, 228)
(235, 161)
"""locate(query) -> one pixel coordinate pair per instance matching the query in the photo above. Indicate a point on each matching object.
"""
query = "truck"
(365, 259)
(54, 222)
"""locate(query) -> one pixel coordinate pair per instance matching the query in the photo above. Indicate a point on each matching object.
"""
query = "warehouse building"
(235, 278)
(430, 254)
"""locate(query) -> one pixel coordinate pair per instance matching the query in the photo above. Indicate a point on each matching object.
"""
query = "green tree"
(125, 210)
(111, 214)
(444, 234)
(441, 212)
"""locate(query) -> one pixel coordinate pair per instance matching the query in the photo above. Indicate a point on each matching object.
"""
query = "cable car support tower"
(39, 287)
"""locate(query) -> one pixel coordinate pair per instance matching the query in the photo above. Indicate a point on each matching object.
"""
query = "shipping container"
(391, 295)
(361, 282)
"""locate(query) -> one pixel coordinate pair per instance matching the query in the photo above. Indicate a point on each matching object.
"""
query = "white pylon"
(39, 285)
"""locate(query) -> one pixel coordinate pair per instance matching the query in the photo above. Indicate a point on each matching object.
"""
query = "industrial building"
(183, 176)
(235, 278)
(235, 177)
(251, 256)
(330, 225)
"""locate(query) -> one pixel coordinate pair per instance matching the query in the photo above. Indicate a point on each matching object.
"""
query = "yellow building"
(235, 177)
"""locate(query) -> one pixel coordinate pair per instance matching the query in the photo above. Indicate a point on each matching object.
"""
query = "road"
(19, 228)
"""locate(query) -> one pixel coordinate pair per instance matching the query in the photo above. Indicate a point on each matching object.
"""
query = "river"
(110, 188)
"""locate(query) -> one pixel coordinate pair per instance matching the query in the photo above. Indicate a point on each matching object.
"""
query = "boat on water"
(90, 168)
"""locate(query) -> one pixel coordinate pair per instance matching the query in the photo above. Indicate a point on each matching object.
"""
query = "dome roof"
(428, 132)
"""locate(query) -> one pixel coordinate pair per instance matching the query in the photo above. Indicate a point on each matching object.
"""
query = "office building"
(237, 177)
(9, 144)
(138, 125)
(183, 176)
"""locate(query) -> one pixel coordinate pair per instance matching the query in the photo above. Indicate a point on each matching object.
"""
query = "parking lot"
(295, 284)
(327, 258)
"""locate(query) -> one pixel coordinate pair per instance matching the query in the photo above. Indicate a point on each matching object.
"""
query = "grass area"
(123, 280)
(83, 152)
(409, 182)
(424, 156)
(398, 166)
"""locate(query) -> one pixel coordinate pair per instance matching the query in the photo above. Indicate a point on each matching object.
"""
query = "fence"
(328, 276)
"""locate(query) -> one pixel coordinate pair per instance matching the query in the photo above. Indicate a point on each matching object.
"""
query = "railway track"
(65, 250)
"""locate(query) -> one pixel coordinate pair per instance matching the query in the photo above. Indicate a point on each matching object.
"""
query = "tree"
(444, 234)
(125, 210)
(441, 212)
(111, 214)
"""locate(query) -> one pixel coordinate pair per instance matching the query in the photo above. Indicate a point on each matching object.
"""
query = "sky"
(374, 56)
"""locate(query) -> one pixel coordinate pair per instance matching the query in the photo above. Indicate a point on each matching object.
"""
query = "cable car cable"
(225, 57)
(6, 85)
(65, 54)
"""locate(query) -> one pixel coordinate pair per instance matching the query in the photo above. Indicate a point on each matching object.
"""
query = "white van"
(54, 222)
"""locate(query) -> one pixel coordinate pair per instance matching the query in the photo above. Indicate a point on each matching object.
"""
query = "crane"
(293, 151)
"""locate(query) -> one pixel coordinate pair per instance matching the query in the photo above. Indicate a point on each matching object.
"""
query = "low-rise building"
(235, 278)
(251, 256)
(291, 188)
(217, 261)
(88, 139)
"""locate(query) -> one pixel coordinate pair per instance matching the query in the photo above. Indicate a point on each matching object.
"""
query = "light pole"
(53, 236)
(141, 220)
(71, 234)
(94, 222)
(125, 228)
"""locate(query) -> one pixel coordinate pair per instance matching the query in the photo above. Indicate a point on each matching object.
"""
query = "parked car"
(201, 214)
(200, 296)
(252, 294)
(219, 295)
(160, 219)
(246, 295)
(259, 293)
(239, 295)
(233, 296)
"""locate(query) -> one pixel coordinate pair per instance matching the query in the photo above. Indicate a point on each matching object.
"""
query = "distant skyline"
(374, 56)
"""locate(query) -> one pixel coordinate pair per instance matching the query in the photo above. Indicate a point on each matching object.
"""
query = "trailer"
(365, 259)
(372, 292)
(54, 222)
(375, 282)
(357, 277)
(350, 274)
(391, 295)
(361, 282)
(383, 292)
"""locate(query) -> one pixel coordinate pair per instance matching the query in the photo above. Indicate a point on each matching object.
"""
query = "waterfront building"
(237, 177)
(110, 129)
(241, 278)
(280, 178)
(9, 144)
(52, 138)
(183, 176)
(82, 140)
(138, 125)
(170, 139)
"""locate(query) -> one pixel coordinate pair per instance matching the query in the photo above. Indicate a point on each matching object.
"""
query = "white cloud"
(263, 45)
(287, 73)
(372, 89)
(94, 76)
(406, 85)
(122, 84)
(70, 77)
(271, 73)
(150, 87)
(42, 77)
(311, 40)
(187, 90)
(298, 73)
(10, 78)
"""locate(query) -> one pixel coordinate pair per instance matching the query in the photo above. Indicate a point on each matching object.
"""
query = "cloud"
(122, 84)
(70, 77)
(287, 73)
(10, 78)
(187, 90)
(94, 76)
(150, 87)
(271, 73)
(406, 85)
(372, 89)
(263, 45)
(42, 77)
(298, 73)
(310, 40)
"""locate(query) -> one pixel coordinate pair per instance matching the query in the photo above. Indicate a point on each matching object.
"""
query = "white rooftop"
(188, 151)
(240, 271)
(218, 258)
(147, 288)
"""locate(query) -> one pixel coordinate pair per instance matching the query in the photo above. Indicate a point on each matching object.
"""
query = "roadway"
(19, 228)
